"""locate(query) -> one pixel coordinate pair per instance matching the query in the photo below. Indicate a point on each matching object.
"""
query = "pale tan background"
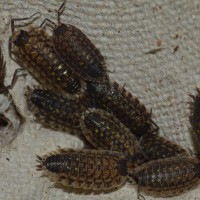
(124, 31)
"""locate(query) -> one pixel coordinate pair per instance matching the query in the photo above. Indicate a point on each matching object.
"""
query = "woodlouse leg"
(34, 16)
(14, 79)
(139, 196)
(156, 127)
(193, 154)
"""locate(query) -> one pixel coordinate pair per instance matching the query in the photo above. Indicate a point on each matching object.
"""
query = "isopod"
(104, 131)
(195, 114)
(78, 52)
(86, 169)
(157, 147)
(167, 177)
(128, 109)
(53, 110)
(33, 50)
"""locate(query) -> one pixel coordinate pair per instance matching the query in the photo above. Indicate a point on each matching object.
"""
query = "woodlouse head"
(92, 120)
(61, 29)
(20, 38)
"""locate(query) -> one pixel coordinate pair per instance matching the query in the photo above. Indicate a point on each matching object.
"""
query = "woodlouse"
(33, 49)
(104, 131)
(195, 114)
(128, 109)
(157, 147)
(167, 177)
(86, 169)
(53, 110)
(78, 52)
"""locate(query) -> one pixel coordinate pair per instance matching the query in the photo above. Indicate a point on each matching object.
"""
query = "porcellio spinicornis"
(195, 115)
(105, 132)
(53, 110)
(86, 169)
(78, 52)
(128, 109)
(157, 147)
(167, 177)
(33, 50)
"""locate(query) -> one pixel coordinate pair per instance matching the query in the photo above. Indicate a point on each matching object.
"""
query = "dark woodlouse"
(167, 177)
(33, 50)
(53, 110)
(157, 147)
(86, 169)
(78, 52)
(195, 114)
(105, 132)
(128, 109)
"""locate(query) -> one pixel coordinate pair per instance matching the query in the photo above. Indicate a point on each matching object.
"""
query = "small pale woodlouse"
(53, 110)
(167, 177)
(128, 109)
(105, 132)
(157, 147)
(78, 52)
(33, 50)
(85, 169)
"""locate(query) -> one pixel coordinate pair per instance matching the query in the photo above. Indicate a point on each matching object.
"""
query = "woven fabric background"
(124, 31)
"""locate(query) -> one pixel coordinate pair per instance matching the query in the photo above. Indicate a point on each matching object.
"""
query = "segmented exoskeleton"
(104, 131)
(167, 177)
(128, 109)
(86, 169)
(77, 51)
(157, 147)
(33, 49)
(53, 110)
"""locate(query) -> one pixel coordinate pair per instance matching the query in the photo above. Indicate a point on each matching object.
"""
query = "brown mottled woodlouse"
(167, 177)
(128, 109)
(78, 52)
(105, 132)
(53, 110)
(33, 49)
(157, 147)
(85, 169)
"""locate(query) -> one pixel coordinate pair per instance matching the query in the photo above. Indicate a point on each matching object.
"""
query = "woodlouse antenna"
(60, 11)
(48, 22)
(34, 16)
